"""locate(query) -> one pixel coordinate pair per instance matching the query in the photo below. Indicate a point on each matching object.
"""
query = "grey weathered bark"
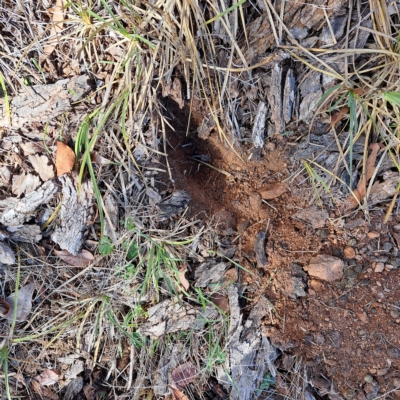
(17, 212)
(76, 214)
(251, 354)
(43, 103)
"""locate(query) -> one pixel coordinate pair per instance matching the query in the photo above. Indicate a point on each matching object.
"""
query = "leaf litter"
(23, 305)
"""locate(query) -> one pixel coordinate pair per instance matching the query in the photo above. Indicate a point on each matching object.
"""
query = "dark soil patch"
(346, 331)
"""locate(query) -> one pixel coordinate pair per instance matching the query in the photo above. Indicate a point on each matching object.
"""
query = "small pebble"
(368, 378)
(388, 267)
(397, 228)
(352, 242)
(349, 252)
(358, 268)
(362, 316)
(394, 314)
(373, 235)
(379, 284)
(379, 267)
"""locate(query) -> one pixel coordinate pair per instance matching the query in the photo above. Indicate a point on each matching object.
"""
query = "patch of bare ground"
(344, 329)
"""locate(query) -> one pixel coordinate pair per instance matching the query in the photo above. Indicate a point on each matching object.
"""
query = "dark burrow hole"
(187, 159)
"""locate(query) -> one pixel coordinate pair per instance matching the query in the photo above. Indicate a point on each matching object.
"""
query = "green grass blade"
(393, 98)
(327, 94)
(221, 14)
(6, 99)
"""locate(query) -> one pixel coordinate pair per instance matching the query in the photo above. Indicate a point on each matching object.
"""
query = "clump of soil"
(346, 330)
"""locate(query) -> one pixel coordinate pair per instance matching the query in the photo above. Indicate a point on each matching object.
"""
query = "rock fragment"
(325, 267)
(314, 216)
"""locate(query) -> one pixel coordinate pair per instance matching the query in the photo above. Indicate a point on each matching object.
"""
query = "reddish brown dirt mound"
(346, 331)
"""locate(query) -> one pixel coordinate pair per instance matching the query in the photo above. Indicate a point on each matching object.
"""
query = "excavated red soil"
(347, 332)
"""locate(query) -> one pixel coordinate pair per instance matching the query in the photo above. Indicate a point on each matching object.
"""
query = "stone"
(379, 267)
(325, 267)
(349, 252)
(373, 235)
(362, 316)
(314, 216)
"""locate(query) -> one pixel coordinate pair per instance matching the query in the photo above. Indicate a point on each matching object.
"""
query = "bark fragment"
(76, 214)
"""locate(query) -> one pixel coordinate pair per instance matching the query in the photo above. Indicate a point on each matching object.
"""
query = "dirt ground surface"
(346, 331)
(280, 120)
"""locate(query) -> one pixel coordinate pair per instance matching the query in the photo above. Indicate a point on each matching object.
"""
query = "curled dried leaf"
(178, 394)
(43, 393)
(337, 116)
(24, 304)
(57, 18)
(184, 374)
(182, 279)
(83, 259)
(48, 377)
(65, 159)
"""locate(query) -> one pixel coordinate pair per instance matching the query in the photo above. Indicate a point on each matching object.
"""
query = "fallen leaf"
(83, 259)
(184, 282)
(184, 374)
(65, 159)
(221, 301)
(337, 116)
(359, 91)
(359, 193)
(47, 377)
(177, 394)
(41, 165)
(24, 304)
(42, 393)
(58, 16)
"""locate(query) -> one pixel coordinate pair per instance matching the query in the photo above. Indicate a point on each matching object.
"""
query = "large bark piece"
(251, 354)
(43, 103)
(76, 214)
(17, 212)
(167, 317)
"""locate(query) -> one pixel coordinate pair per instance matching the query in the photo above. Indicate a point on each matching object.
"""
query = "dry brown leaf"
(359, 91)
(83, 259)
(184, 282)
(221, 301)
(47, 377)
(58, 16)
(184, 374)
(177, 394)
(43, 393)
(337, 116)
(24, 304)
(359, 193)
(41, 165)
(65, 159)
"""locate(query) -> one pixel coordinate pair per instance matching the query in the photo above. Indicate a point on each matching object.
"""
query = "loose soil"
(346, 332)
